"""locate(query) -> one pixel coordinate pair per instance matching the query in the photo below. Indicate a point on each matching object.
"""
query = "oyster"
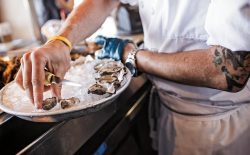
(97, 89)
(120, 75)
(98, 66)
(111, 70)
(110, 75)
(66, 103)
(106, 64)
(111, 89)
(49, 103)
(106, 79)
(108, 67)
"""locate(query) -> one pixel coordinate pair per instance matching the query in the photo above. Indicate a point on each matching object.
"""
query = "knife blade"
(51, 78)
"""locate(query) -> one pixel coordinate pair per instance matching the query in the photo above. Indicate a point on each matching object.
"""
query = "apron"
(189, 120)
(198, 130)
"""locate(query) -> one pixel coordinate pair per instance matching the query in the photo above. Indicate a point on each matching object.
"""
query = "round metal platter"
(6, 105)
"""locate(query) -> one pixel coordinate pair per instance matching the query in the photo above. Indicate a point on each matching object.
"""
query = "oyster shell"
(111, 70)
(66, 103)
(98, 66)
(110, 75)
(108, 67)
(120, 74)
(111, 89)
(49, 103)
(97, 89)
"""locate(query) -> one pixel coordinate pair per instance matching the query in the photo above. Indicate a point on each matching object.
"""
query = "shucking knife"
(51, 78)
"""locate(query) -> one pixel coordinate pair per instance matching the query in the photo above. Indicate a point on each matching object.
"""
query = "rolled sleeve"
(228, 24)
(131, 2)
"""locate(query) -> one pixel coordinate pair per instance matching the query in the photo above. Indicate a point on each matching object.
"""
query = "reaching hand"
(112, 47)
(55, 56)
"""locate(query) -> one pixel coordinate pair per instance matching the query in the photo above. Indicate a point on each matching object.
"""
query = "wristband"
(63, 39)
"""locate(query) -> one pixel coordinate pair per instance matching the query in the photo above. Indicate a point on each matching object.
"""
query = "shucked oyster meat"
(110, 76)
(97, 89)
(66, 103)
(50, 103)
(108, 67)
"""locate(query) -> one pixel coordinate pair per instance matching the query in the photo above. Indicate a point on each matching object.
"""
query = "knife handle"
(49, 78)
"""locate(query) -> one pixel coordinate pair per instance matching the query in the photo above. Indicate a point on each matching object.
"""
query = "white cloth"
(182, 25)
(228, 24)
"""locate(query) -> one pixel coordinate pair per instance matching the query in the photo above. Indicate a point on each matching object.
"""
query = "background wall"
(17, 13)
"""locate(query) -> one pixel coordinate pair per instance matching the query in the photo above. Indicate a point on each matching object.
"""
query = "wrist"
(58, 44)
(131, 61)
(62, 39)
(127, 49)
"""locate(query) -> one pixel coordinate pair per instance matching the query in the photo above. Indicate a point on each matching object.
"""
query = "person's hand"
(112, 47)
(55, 56)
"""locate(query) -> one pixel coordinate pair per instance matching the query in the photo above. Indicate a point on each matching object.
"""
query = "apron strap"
(154, 115)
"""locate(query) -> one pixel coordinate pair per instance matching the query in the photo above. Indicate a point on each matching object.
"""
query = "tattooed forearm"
(235, 66)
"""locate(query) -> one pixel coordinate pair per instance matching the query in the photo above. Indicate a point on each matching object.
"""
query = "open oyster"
(108, 67)
(49, 103)
(106, 79)
(66, 103)
(97, 89)
(107, 71)
(110, 75)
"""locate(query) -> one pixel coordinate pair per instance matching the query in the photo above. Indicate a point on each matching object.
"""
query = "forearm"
(86, 19)
(216, 67)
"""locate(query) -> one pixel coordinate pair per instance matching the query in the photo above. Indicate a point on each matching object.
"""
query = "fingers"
(31, 75)
(38, 78)
(26, 75)
(19, 78)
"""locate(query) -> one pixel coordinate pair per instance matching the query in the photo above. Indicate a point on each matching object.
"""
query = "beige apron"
(215, 130)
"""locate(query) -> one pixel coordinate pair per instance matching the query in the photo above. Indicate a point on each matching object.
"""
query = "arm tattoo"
(235, 66)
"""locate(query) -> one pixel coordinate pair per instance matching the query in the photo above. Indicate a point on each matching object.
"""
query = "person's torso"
(178, 25)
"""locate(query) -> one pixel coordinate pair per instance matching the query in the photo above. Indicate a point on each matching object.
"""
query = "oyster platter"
(101, 82)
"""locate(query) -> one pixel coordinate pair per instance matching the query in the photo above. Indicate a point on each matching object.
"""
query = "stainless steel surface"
(68, 136)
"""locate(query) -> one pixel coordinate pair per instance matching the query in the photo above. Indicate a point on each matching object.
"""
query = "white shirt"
(182, 25)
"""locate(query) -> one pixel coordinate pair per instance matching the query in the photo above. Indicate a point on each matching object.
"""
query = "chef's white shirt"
(181, 25)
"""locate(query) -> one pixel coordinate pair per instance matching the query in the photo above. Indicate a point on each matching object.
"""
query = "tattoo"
(235, 66)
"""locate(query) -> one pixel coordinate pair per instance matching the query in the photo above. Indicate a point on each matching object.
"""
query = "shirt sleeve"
(228, 24)
(131, 2)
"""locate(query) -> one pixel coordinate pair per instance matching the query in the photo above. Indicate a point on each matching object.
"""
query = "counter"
(85, 135)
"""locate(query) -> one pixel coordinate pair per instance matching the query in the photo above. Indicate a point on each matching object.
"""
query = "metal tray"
(65, 114)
